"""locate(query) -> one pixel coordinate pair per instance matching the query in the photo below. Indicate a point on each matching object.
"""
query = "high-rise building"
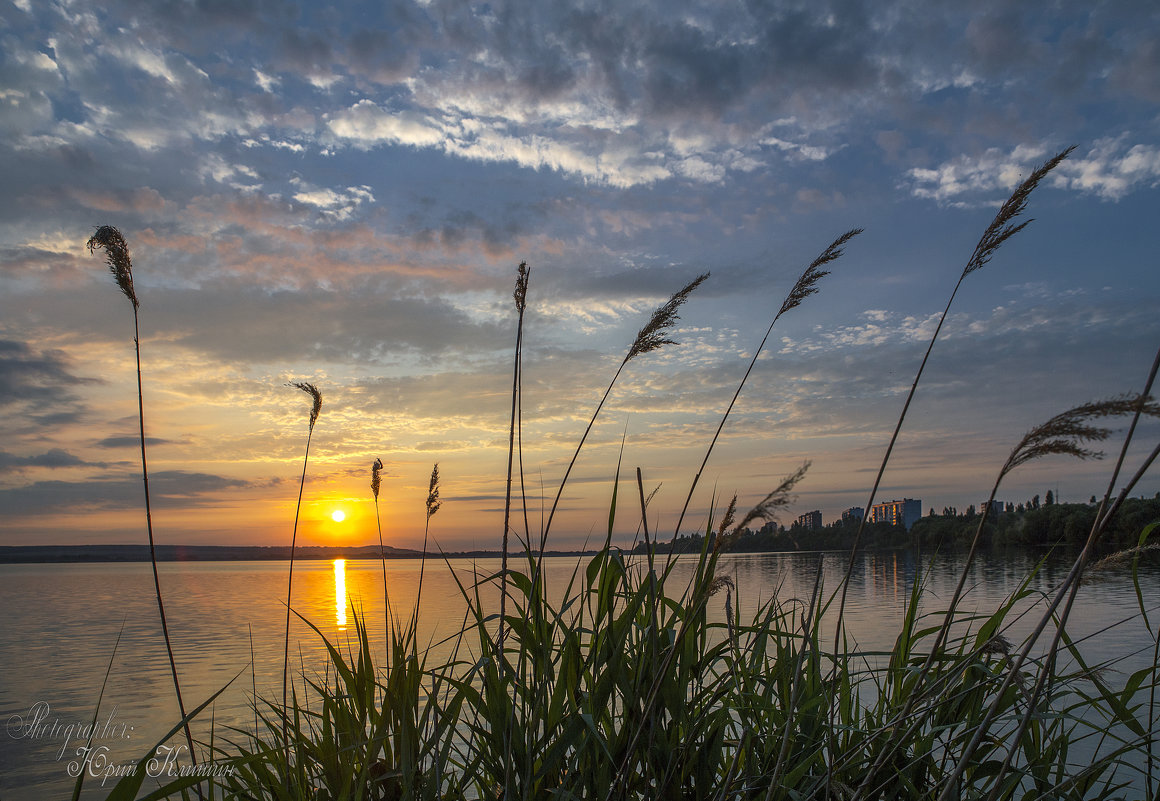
(996, 508)
(853, 515)
(810, 520)
(897, 513)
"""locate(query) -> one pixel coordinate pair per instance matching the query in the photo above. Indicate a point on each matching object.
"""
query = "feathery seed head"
(720, 583)
(998, 645)
(807, 284)
(1117, 559)
(724, 536)
(779, 499)
(655, 333)
(376, 477)
(313, 392)
(117, 256)
(433, 502)
(1003, 227)
(521, 291)
(1066, 433)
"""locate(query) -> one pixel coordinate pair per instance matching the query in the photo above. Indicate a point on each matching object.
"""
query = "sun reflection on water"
(340, 593)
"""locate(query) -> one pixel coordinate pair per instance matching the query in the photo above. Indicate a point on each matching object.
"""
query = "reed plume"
(806, 285)
(1002, 228)
(1065, 434)
(655, 334)
(376, 478)
(315, 395)
(433, 504)
(727, 518)
(315, 410)
(520, 295)
(376, 483)
(120, 264)
(780, 498)
(116, 249)
(1138, 406)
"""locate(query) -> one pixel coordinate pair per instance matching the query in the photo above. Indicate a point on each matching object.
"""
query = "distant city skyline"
(314, 194)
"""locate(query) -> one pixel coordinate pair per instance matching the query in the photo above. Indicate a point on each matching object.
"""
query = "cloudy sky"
(342, 195)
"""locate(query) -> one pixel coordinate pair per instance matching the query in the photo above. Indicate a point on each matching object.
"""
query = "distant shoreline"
(49, 554)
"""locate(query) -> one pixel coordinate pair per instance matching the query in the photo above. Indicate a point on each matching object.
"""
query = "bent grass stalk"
(653, 336)
(376, 484)
(1066, 434)
(805, 286)
(315, 410)
(1138, 407)
(433, 504)
(1002, 228)
(120, 264)
(520, 296)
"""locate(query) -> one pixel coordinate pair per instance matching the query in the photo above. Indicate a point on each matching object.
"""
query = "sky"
(341, 194)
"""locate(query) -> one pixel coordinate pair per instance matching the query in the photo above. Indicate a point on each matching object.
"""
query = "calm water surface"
(60, 623)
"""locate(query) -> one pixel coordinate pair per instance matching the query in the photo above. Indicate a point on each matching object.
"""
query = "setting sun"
(338, 515)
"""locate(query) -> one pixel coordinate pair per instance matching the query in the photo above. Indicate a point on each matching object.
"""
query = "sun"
(338, 515)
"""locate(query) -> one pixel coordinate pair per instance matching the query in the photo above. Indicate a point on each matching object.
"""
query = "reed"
(1004, 226)
(654, 335)
(110, 240)
(315, 410)
(376, 484)
(1139, 406)
(520, 295)
(432, 505)
(1065, 434)
(806, 285)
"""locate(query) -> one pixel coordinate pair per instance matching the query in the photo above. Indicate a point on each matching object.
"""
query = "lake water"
(60, 622)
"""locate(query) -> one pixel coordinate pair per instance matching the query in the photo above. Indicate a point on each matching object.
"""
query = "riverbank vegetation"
(623, 686)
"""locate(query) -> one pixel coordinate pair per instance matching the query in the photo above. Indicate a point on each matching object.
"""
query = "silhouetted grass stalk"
(315, 410)
(805, 286)
(1066, 434)
(1002, 228)
(376, 484)
(520, 295)
(653, 336)
(1139, 406)
(120, 264)
(432, 505)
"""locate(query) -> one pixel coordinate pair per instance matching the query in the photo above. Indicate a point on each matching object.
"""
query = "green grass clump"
(626, 688)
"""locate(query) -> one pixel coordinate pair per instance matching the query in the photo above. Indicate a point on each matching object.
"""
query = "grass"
(116, 249)
(621, 685)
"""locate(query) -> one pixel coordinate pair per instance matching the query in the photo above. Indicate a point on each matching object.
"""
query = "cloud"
(366, 124)
(129, 441)
(1111, 169)
(52, 459)
(333, 204)
(168, 488)
(968, 180)
(37, 384)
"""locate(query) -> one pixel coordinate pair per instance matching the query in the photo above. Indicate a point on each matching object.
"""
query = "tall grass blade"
(315, 410)
(120, 264)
